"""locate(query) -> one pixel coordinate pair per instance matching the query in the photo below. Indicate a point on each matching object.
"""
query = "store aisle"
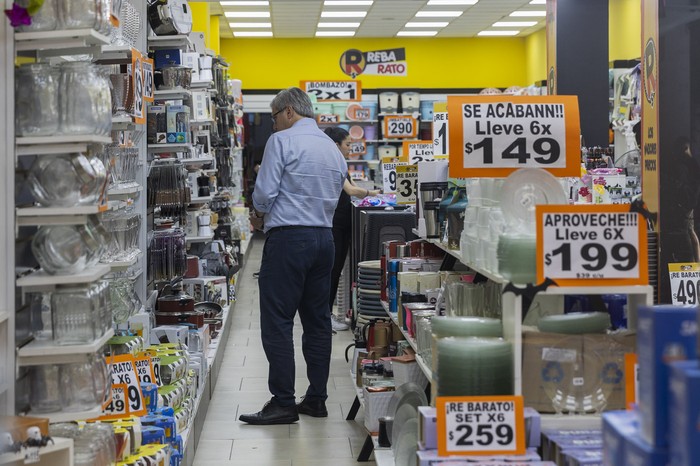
(242, 388)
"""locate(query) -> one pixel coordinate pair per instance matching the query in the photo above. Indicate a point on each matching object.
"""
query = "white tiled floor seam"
(242, 388)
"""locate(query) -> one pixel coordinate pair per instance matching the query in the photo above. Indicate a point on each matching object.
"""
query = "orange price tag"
(480, 425)
(127, 398)
(491, 136)
(591, 245)
(417, 151)
(400, 126)
(631, 379)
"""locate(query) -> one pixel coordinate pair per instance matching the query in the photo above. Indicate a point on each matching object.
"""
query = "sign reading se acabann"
(591, 245)
(493, 135)
(333, 90)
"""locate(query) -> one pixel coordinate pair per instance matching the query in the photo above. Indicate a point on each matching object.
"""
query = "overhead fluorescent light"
(338, 25)
(252, 33)
(451, 2)
(530, 13)
(416, 33)
(246, 3)
(426, 24)
(247, 14)
(538, 2)
(498, 33)
(438, 14)
(250, 25)
(514, 24)
(343, 14)
(335, 33)
(348, 2)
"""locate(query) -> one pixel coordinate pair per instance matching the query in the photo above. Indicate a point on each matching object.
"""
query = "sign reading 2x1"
(491, 136)
(591, 245)
(333, 90)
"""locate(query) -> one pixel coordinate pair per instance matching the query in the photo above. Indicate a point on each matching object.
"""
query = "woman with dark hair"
(342, 231)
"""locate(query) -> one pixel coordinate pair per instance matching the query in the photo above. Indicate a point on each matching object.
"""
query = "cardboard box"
(639, 453)
(664, 334)
(169, 334)
(191, 60)
(684, 446)
(583, 457)
(604, 365)
(617, 425)
(427, 428)
(164, 57)
(547, 358)
(431, 458)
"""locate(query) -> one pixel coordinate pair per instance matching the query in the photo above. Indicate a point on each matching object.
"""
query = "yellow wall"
(432, 62)
(625, 29)
(215, 41)
(536, 50)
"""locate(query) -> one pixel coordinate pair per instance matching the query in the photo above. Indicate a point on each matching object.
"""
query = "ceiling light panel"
(252, 33)
(426, 24)
(499, 33)
(348, 2)
(530, 13)
(250, 25)
(438, 14)
(416, 33)
(343, 14)
(335, 33)
(514, 24)
(246, 3)
(339, 25)
(247, 14)
(451, 2)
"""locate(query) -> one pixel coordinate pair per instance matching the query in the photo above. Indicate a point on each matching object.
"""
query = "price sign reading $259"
(491, 136)
(480, 425)
(591, 245)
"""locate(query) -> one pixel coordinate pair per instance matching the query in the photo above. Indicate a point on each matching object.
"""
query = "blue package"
(165, 57)
(165, 411)
(583, 457)
(616, 426)
(393, 284)
(640, 453)
(684, 410)
(152, 434)
(664, 334)
(150, 396)
(167, 423)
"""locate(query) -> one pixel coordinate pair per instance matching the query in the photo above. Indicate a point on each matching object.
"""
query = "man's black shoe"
(313, 407)
(272, 413)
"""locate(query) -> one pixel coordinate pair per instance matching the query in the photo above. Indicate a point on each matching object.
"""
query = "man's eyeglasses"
(274, 115)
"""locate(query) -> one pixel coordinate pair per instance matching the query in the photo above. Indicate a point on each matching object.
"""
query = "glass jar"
(45, 19)
(66, 249)
(36, 100)
(67, 180)
(80, 390)
(45, 390)
(81, 14)
(80, 94)
(76, 318)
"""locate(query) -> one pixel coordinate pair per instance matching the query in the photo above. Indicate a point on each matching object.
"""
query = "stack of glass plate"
(444, 326)
(575, 323)
(474, 366)
(402, 408)
(369, 278)
(406, 443)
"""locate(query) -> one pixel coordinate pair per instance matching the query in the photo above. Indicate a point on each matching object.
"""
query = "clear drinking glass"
(76, 319)
(46, 19)
(45, 389)
(81, 14)
(85, 99)
(80, 391)
(36, 100)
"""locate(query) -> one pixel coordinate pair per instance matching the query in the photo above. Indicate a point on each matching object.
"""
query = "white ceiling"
(299, 18)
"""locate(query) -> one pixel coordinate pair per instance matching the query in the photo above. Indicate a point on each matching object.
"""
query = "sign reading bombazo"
(333, 90)
(389, 62)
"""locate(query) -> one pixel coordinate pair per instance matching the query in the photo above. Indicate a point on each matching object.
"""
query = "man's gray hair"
(295, 98)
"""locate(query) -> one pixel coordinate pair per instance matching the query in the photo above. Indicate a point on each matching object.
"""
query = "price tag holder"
(406, 184)
(418, 151)
(327, 119)
(591, 245)
(685, 282)
(480, 425)
(491, 136)
(441, 134)
(333, 90)
(389, 165)
(127, 398)
(400, 126)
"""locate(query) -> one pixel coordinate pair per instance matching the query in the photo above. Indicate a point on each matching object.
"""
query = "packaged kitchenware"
(167, 254)
(67, 180)
(36, 100)
(176, 77)
(170, 17)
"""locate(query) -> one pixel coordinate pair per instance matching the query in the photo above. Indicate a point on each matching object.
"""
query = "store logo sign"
(391, 62)
(650, 72)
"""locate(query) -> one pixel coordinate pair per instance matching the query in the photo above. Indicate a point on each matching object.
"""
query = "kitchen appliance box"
(684, 448)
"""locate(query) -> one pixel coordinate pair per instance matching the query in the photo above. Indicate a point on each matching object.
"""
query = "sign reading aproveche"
(685, 283)
(491, 136)
(333, 90)
(591, 245)
(480, 425)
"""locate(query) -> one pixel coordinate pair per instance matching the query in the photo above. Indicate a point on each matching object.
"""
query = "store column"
(577, 61)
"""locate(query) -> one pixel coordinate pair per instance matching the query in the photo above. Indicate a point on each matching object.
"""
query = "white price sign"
(480, 425)
(327, 119)
(418, 151)
(117, 407)
(358, 147)
(492, 136)
(127, 398)
(400, 126)
(685, 283)
(333, 90)
(144, 368)
(406, 184)
(441, 133)
(148, 83)
(591, 245)
(389, 165)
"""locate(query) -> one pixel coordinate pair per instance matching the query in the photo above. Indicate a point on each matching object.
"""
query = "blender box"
(664, 334)
(684, 410)
(431, 458)
(164, 57)
(169, 334)
(617, 425)
(178, 123)
(639, 453)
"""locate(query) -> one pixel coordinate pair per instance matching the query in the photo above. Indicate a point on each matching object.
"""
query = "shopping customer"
(342, 225)
(297, 189)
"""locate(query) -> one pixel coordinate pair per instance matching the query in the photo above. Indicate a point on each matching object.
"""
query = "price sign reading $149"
(591, 245)
(491, 136)
(480, 425)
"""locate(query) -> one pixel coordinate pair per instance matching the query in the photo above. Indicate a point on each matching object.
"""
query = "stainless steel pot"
(176, 76)
(170, 17)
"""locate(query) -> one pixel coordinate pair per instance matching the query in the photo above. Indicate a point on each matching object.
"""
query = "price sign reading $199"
(491, 136)
(480, 425)
(591, 245)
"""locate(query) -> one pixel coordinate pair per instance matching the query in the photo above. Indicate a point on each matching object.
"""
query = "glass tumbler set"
(69, 14)
(123, 227)
(95, 444)
(73, 98)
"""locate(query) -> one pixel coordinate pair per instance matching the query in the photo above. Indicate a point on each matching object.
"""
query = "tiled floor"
(242, 388)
